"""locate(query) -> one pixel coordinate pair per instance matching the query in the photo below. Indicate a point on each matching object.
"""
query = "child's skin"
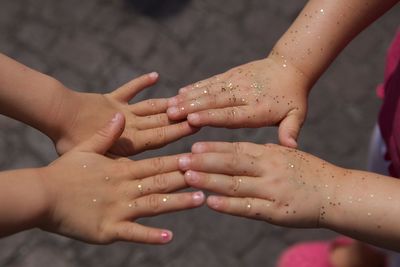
(287, 187)
(90, 197)
(69, 117)
(274, 90)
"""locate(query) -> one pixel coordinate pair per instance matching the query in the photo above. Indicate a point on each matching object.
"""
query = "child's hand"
(147, 124)
(260, 93)
(264, 182)
(97, 199)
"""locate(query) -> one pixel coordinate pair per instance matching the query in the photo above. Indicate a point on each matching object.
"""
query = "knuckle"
(238, 148)
(235, 184)
(161, 135)
(160, 181)
(153, 202)
(158, 164)
(102, 133)
(233, 161)
(161, 119)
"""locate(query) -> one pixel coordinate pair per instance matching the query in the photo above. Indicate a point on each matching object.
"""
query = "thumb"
(105, 137)
(289, 129)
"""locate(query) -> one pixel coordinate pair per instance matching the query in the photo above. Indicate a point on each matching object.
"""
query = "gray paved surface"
(95, 45)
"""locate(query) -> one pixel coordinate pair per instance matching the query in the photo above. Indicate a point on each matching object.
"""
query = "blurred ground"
(95, 45)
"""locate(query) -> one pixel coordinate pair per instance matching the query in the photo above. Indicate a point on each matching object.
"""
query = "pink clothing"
(389, 116)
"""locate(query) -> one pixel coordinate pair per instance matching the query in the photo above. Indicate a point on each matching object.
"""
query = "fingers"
(158, 137)
(228, 147)
(289, 129)
(238, 186)
(134, 232)
(127, 91)
(222, 163)
(254, 208)
(159, 183)
(232, 117)
(153, 121)
(163, 203)
(151, 167)
(104, 138)
(197, 92)
(205, 102)
(150, 107)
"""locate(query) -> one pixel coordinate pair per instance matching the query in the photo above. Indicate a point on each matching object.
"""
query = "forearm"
(322, 30)
(365, 206)
(32, 97)
(22, 201)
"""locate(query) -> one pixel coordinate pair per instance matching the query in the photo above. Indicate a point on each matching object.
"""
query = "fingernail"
(166, 236)
(153, 75)
(192, 177)
(182, 90)
(214, 201)
(184, 163)
(198, 197)
(172, 111)
(292, 142)
(117, 116)
(173, 101)
(193, 118)
(198, 148)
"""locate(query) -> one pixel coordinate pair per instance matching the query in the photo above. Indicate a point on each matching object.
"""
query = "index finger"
(153, 166)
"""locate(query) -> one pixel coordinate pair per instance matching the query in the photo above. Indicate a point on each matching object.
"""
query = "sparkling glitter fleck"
(248, 206)
(84, 166)
(321, 10)
(94, 200)
(130, 205)
(291, 165)
(372, 195)
(164, 199)
(140, 187)
(107, 178)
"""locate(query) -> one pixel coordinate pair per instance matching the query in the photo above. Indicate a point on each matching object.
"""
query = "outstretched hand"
(147, 124)
(261, 93)
(96, 199)
(276, 184)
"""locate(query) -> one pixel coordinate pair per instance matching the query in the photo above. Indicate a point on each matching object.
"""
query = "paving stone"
(96, 45)
(36, 35)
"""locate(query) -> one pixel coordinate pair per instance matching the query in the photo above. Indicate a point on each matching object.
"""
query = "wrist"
(62, 112)
(287, 62)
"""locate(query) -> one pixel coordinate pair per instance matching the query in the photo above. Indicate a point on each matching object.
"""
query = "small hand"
(276, 184)
(147, 124)
(97, 199)
(261, 93)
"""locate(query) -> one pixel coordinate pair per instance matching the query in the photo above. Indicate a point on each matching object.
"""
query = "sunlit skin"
(288, 187)
(69, 117)
(93, 198)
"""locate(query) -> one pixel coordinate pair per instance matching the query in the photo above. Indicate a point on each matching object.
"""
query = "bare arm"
(323, 29)
(69, 117)
(291, 188)
(274, 90)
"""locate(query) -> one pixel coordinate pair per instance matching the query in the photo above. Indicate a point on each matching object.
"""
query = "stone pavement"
(95, 45)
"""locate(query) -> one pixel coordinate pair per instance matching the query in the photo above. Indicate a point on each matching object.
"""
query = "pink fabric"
(389, 116)
(312, 254)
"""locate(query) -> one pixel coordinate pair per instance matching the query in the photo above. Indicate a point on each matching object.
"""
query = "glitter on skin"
(94, 200)
(164, 199)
